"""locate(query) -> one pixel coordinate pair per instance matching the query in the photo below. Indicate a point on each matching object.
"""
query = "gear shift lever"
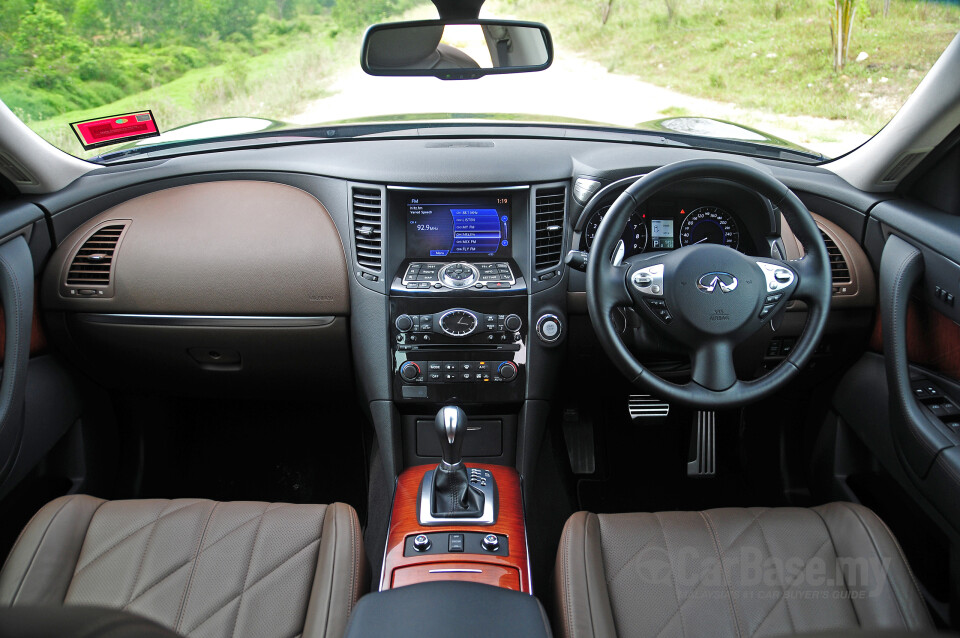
(451, 494)
(451, 426)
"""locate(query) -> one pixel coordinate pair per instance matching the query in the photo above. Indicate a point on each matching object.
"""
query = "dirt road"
(573, 87)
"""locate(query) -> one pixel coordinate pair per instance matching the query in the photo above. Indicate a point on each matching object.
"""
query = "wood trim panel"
(499, 570)
(933, 340)
(38, 340)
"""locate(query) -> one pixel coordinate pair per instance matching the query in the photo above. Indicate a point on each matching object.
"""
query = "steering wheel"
(706, 297)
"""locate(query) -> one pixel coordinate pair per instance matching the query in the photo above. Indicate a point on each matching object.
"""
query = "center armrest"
(442, 609)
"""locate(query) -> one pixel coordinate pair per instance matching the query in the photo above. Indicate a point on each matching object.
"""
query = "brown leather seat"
(196, 566)
(733, 572)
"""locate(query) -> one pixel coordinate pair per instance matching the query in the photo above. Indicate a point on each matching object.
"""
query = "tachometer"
(709, 225)
(633, 239)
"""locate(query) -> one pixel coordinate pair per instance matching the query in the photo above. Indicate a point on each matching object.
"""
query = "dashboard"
(435, 270)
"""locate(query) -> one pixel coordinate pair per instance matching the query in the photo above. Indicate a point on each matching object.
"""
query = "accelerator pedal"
(703, 445)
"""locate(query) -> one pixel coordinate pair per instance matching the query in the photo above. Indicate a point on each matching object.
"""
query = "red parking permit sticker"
(118, 128)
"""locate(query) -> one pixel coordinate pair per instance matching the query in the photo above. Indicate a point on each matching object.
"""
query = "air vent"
(368, 227)
(550, 204)
(904, 165)
(838, 265)
(92, 264)
(15, 172)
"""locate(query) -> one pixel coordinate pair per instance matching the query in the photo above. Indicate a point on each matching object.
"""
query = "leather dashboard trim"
(217, 248)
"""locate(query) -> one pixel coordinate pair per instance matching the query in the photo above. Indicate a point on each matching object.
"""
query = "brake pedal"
(644, 406)
(703, 446)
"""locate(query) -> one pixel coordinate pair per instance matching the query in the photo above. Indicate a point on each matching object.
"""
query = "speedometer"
(633, 239)
(709, 225)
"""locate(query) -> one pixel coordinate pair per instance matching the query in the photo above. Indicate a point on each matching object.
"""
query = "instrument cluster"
(667, 226)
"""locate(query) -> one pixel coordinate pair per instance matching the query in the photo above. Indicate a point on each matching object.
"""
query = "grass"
(271, 85)
(771, 56)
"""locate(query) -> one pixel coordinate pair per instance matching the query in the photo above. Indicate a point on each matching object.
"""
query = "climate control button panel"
(412, 371)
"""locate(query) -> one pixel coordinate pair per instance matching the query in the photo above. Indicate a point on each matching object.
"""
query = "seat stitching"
(752, 522)
(676, 591)
(797, 579)
(253, 548)
(630, 560)
(143, 558)
(329, 601)
(354, 568)
(36, 550)
(167, 575)
(117, 544)
(185, 597)
(906, 565)
(586, 522)
(876, 550)
(690, 596)
(763, 536)
(723, 570)
(565, 573)
(836, 554)
(248, 588)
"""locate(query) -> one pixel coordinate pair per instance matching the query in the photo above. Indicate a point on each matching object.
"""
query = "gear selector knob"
(451, 426)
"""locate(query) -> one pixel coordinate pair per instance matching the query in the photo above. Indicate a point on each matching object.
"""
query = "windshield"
(815, 75)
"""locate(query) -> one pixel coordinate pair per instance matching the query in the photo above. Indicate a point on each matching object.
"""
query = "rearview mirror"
(459, 50)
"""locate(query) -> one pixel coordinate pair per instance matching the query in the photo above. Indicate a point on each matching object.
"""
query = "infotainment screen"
(455, 225)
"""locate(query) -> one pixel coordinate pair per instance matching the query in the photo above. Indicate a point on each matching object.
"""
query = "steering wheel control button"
(773, 298)
(549, 328)
(659, 308)
(778, 277)
(766, 311)
(421, 542)
(490, 542)
(649, 280)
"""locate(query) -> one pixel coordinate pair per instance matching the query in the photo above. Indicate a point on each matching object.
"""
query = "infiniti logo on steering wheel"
(712, 280)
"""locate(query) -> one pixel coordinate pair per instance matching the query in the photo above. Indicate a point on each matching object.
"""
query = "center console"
(458, 305)
(457, 522)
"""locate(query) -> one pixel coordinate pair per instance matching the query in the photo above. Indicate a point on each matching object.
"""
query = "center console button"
(404, 323)
(455, 543)
(512, 322)
(421, 542)
(409, 370)
(450, 366)
(507, 370)
(434, 366)
(490, 542)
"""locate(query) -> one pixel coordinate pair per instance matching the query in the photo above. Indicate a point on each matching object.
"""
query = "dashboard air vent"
(838, 265)
(550, 204)
(92, 264)
(368, 227)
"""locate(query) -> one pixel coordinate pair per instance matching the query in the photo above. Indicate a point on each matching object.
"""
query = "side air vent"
(903, 165)
(550, 203)
(93, 263)
(838, 265)
(368, 227)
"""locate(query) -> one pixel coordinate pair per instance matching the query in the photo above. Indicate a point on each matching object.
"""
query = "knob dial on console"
(404, 323)
(512, 323)
(507, 371)
(409, 370)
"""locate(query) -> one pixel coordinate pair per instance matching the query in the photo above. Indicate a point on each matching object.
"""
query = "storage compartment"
(484, 438)
(200, 356)
(496, 575)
